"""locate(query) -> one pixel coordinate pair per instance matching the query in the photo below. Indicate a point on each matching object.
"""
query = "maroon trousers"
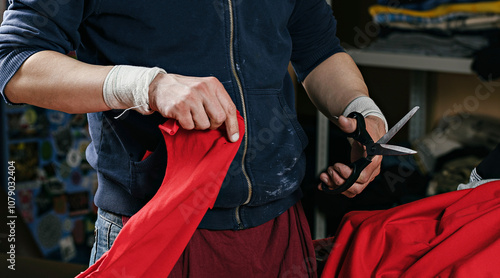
(281, 247)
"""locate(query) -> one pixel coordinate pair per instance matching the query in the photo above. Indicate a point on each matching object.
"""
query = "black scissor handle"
(357, 167)
(360, 134)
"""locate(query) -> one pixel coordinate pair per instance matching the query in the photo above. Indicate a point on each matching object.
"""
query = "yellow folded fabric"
(477, 7)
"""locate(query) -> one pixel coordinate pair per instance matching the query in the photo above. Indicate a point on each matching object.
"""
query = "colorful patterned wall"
(54, 185)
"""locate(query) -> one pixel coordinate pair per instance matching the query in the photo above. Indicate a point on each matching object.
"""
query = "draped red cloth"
(151, 242)
(456, 234)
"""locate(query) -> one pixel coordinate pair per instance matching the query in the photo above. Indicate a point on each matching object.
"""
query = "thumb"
(347, 125)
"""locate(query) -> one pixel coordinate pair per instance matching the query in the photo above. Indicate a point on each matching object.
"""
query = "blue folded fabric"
(389, 17)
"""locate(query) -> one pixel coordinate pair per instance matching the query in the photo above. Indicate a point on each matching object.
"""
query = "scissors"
(372, 149)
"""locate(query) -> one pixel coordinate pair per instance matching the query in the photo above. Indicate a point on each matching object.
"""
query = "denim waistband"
(112, 217)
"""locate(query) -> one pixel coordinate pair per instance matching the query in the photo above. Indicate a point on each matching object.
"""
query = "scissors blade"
(397, 126)
(386, 149)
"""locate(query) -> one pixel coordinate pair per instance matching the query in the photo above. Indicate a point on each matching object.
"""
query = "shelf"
(411, 61)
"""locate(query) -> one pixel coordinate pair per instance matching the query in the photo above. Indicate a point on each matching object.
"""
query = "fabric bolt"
(441, 10)
(429, 44)
(387, 18)
(454, 19)
(151, 242)
(463, 28)
(422, 5)
(457, 25)
(455, 234)
(281, 247)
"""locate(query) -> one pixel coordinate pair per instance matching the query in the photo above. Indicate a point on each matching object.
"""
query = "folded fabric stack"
(458, 28)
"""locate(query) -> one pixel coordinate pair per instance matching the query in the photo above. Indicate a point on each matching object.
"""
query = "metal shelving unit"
(411, 61)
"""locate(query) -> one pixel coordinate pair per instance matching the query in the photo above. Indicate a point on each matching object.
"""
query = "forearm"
(55, 81)
(334, 83)
(333, 86)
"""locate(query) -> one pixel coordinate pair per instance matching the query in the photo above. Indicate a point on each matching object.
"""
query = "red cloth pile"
(151, 242)
(456, 234)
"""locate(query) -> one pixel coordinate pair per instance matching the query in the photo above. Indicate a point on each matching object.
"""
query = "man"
(199, 63)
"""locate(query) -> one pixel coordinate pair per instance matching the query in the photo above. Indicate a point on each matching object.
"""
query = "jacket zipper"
(240, 88)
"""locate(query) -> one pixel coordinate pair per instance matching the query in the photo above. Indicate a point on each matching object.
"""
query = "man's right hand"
(195, 102)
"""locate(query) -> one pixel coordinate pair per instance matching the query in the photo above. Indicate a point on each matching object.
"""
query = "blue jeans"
(107, 227)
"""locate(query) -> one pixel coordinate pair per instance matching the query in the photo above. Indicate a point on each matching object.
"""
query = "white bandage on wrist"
(367, 107)
(127, 87)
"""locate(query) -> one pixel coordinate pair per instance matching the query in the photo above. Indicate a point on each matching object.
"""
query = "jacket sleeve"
(313, 30)
(30, 26)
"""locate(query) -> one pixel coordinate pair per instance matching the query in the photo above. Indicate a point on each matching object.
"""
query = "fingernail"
(235, 137)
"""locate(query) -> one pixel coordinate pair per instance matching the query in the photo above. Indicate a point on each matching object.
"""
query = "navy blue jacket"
(246, 44)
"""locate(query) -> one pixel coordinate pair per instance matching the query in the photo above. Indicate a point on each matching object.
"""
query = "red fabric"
(455, 234)
(154, 238)
(146, 155)
(281, 247)
(125, 219)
